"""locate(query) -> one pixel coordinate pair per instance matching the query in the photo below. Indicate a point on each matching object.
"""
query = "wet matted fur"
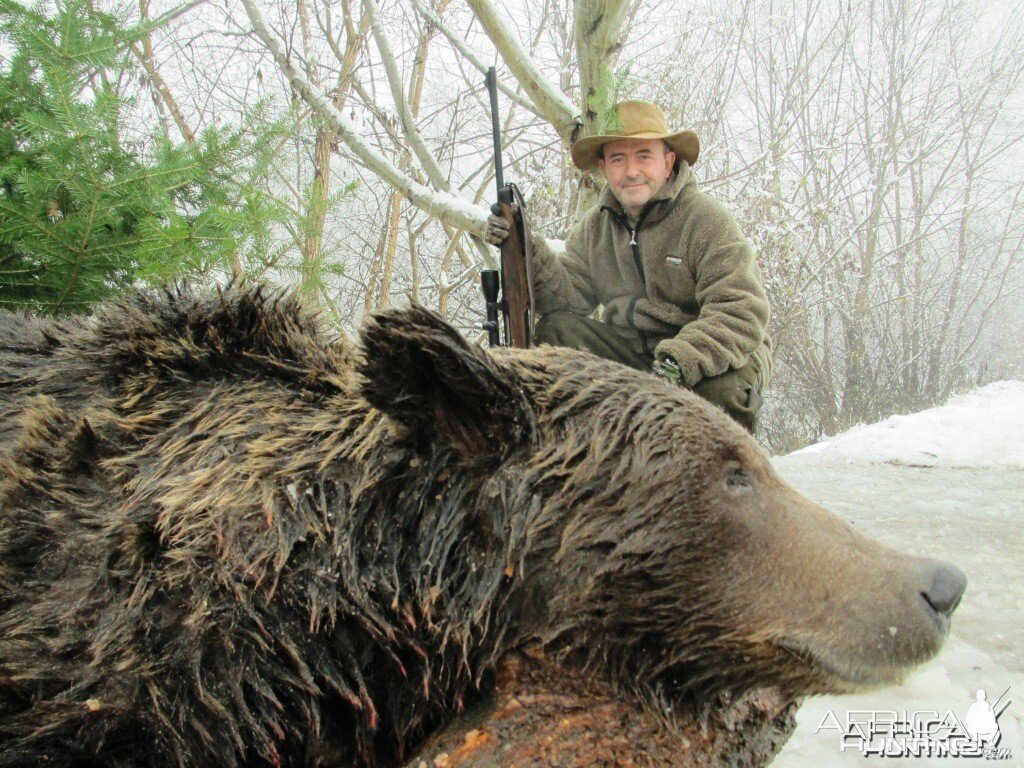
(228, 538)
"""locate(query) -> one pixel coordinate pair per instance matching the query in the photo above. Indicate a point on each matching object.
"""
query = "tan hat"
(636, 120)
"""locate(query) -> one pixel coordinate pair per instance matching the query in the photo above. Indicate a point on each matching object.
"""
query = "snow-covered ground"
(947, 483)
(982, 429)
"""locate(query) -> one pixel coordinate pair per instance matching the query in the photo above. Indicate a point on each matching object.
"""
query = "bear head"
(660, 545)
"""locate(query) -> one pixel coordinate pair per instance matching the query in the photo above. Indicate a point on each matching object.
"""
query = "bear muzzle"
(906, 628)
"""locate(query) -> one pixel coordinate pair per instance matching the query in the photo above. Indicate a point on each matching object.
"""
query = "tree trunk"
(316, 213)
(316, 205)
(597, 26)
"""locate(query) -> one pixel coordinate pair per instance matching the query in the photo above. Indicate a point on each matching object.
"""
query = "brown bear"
(227, 538)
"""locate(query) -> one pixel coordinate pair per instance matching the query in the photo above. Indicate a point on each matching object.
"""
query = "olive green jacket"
(684, 268)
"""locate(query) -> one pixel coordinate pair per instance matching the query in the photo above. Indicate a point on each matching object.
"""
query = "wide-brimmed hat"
(636, 120)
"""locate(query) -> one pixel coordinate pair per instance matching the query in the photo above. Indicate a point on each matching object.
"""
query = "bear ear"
(419, 371)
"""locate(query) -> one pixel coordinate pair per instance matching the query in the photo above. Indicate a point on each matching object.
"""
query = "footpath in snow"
(946, 483)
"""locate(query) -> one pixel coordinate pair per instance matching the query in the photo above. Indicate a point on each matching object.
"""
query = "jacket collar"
(677, 184)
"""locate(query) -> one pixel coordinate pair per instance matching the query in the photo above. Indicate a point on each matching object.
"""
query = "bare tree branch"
(459, 44)
(175, 13)
(145, 55)
(552, 104)
(449, 208)
(412, 134)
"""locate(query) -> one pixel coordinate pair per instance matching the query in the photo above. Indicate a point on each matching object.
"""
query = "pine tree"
(86, 213)
(611, 89)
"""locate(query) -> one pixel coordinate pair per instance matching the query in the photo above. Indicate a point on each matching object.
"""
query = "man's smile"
(636, 170)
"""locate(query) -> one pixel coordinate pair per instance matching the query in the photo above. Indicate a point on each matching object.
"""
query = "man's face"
(636, 170)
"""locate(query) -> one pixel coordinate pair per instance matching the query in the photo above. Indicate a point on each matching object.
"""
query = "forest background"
(871, 150)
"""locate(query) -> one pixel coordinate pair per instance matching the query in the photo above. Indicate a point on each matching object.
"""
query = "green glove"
(668, 369)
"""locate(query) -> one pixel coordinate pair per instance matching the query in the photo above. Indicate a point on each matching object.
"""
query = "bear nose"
(947, 587)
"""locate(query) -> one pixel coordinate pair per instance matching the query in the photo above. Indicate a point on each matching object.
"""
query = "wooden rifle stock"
(516, 273)
(516, 303)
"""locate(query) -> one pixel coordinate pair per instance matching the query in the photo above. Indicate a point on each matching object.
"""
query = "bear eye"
(738, 479)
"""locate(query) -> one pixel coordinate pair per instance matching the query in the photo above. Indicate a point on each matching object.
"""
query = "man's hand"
(497, 230)
(668, 369)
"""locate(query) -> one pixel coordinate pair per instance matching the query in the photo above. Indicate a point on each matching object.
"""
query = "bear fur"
(229, 538)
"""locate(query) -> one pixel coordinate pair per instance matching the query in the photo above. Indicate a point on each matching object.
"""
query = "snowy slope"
(945, 483)
(980, 429)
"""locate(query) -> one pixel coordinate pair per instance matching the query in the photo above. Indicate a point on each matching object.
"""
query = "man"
(678, 282)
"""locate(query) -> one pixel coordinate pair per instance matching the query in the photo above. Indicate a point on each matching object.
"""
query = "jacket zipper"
(633, 244)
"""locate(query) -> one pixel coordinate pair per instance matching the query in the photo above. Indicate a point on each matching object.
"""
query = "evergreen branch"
(35, 223)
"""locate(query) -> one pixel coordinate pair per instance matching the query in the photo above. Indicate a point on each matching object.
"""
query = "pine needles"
(89, 208)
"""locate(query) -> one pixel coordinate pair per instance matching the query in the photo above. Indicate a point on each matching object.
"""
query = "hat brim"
(685, 144)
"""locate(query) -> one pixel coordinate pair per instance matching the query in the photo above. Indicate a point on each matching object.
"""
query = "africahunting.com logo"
(925, 733)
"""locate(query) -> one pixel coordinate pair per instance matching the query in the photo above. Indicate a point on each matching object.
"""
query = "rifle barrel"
(491, 81)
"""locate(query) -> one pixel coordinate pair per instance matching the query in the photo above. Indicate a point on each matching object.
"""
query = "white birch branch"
(554, 106)
(445, 206)
(469, 55)
(408, 121)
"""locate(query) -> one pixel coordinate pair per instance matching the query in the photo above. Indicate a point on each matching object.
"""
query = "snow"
(555, 246)
(947, 483)
(980, 429)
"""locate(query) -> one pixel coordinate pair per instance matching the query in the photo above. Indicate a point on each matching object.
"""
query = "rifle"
(516, 278)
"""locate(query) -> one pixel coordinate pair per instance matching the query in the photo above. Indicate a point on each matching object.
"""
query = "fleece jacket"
(682, 270)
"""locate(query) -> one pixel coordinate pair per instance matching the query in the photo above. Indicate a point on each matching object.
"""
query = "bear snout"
(946, 585)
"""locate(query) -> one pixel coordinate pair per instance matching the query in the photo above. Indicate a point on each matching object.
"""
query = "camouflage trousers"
(735, 391)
